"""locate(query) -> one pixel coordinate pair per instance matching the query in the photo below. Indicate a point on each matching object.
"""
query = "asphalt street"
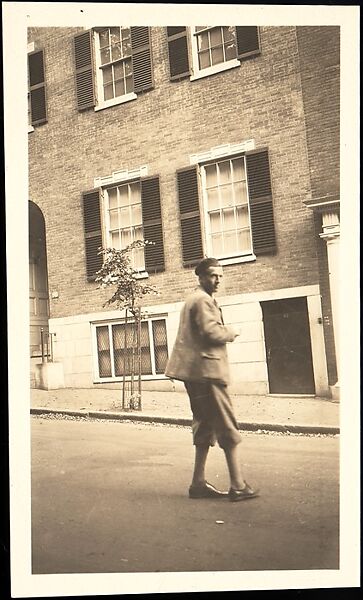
(112, 497)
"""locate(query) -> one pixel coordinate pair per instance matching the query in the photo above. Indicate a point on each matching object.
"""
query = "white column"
(331, 234)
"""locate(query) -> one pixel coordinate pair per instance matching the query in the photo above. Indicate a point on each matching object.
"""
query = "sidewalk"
(271, 413)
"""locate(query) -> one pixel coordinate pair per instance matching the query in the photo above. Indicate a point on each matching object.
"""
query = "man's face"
(211, 280)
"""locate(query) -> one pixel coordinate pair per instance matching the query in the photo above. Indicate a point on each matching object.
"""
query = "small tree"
(117, 272)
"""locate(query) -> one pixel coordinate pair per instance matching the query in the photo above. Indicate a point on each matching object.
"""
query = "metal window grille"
(115, 343)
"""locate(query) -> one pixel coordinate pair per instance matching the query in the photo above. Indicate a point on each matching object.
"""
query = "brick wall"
(319, 57)
(262, 99)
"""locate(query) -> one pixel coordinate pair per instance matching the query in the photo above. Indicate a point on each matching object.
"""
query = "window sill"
(30, 129)
(141, 275)
(237, 259)
(231, 64)
(118, 379)
(115, 101)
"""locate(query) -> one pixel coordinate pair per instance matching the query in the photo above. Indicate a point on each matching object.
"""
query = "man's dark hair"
(204, 265)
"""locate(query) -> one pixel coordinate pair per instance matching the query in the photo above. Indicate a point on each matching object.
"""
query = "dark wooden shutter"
(260, 197)
(141, 59)
(38, 103)
(84, 70)
(152, 224)
(191, 233)
(248, 42)
(178, 52)
(92, 232)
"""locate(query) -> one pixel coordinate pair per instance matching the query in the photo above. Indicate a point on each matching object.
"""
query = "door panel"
(288, 346)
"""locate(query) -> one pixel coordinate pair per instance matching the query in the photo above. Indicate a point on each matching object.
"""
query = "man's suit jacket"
(199, 352)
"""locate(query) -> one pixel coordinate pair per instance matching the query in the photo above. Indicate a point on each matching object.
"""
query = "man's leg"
(201, 453)
(203, 438)
(234, 467)
(229, 437)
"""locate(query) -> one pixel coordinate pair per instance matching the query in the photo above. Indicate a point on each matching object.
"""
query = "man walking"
(199, 359)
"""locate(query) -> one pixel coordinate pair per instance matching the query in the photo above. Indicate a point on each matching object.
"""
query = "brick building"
(219, 141)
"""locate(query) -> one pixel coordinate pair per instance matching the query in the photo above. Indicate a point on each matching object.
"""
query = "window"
(231, 216)
(213, 46)
(124, 219)
(116, 215)
(112, 65)
(113, 342)
(227, 221)
(203, 50)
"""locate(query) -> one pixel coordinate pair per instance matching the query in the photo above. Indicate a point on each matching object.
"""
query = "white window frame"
(233, 258)
(113, 378)
(141, 273)
(199, 73)
(100, 103)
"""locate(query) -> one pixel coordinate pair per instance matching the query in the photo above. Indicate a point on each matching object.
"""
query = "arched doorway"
(38, 280)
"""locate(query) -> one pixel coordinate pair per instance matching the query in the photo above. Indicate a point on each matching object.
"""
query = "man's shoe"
(206, 490)
(244, 494)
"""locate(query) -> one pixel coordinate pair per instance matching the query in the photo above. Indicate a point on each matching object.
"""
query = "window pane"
(114, 219)
(135, 192)
(229, 221)
(128, 67)
(238, 169)
(114, 34)
(118, 335)
(244, 240)
(107, 75)
(228, 33)
(123, 195)
(118, 71)
(203, 41)
(105, 55)
(119, 88)
(104, 38)
(103, 349)
(230, 243)
(161, 358)
(217, 244)
(240, 192)
(217, 56)
(224, 172)
(136, 214)
(116, 51)
(226, 195)
(213, 199)
(211, 175)
(138, 233)
(108, 90)
(112, 197)
(204, 60)
(115, 240)
(145, 349)
(242, 217)
(125, 237)
(215, 37)
(126, 44)
(215, 222)
(129, 85)
(138, 259)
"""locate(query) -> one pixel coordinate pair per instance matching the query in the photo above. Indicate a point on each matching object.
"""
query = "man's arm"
(208, 324)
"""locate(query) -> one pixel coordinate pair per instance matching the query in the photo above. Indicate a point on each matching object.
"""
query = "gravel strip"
(65, 417)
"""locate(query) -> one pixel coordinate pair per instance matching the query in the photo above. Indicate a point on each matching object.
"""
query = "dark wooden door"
(288, 346)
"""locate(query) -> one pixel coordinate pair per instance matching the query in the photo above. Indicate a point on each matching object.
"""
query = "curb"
(327, 430)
